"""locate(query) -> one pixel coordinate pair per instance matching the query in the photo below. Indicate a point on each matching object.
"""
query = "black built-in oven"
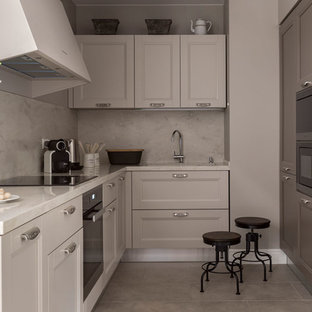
(93, 262)
(304, 141)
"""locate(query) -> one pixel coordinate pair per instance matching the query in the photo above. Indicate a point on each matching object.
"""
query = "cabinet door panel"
(180, 190)
(157, 71)
(110, 61)
(289, 215)
(203, 71)
(65, 276)
(22, 269)
(288, 95)
(109, 233)
(121, 216)
(305, 43)
(176, 228)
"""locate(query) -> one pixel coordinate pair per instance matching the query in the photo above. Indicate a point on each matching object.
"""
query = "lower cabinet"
(64, 280)
(289, 215)
(121, 216)
(110, 236)
(305, 234)
(176, 229)
(21, 268)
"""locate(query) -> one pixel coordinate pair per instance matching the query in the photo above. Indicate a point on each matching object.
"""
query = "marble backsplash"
(23, 122)
(203, 133)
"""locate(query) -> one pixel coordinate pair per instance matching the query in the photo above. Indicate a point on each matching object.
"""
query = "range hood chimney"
(39, 47)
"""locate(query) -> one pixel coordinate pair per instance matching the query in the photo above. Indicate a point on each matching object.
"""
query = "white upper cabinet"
(157, 71)
(110, 61)
(203, 71)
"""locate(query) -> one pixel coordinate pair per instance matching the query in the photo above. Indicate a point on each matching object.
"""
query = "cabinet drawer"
(109, 192)
(176, 228)
(62, 222)
(180, 190)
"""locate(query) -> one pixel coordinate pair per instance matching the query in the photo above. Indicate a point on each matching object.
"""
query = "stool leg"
(229, 267)
(259, 259)
(264, 254)
(202, 281)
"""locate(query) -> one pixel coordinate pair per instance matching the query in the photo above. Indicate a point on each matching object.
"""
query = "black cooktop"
(46, 180)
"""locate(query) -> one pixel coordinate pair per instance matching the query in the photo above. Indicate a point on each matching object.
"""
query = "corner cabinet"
(203, 71)
(173, 209)
(110, 61)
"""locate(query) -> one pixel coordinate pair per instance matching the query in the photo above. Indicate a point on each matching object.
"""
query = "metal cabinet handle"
(31, 234)
(70, 249)
(306, 202)
(110, 185)
(180, 175)
(180, 214)
(203, 104)
(286, 178)
(121, 179)
(103, 105)
(286, 169)
(110, 210)
(307, 84)
(69, 211)
(157, 105)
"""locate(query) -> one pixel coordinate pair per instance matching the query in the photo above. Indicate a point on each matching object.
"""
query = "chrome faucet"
(179, 156)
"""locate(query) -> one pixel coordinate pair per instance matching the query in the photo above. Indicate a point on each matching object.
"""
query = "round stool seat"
(221, 237)
(252, 223)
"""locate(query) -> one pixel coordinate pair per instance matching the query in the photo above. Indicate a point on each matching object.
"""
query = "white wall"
(254, 113)
(284, 6)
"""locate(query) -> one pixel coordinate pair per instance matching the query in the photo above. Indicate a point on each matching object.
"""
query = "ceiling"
(146, 2)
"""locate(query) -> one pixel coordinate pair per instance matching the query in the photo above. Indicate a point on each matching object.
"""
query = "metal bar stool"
(222, 241)
(253, 223)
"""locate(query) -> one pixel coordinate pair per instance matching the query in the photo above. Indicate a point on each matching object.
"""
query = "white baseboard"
(188, 255)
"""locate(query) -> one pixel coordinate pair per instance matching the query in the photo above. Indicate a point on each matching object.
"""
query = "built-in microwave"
(304, 141)
(304, 167)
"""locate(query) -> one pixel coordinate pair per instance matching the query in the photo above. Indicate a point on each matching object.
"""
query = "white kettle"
(201, 27)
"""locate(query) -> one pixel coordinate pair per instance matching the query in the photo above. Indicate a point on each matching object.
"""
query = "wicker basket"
(158, 26)
(105, 26)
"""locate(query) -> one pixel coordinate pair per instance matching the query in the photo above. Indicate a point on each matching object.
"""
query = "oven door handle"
(94, 215)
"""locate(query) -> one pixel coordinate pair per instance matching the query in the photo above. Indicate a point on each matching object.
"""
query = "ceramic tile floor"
(174, 287)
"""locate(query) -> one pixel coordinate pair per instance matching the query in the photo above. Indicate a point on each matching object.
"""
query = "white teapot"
(202, 27)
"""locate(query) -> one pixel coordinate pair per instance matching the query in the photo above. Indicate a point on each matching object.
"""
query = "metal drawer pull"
(286, 178)
(157, 104)
(307, 84)
(103, 105)
(180, 214)
(110, 185)
(203, 104)
(180, 175)
(305, 201)
(70, 249)
(286, 169)
(121, 179)
(31, 234)
(69, 211)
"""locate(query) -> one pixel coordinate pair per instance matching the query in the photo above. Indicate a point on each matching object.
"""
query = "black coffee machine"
(57, 157)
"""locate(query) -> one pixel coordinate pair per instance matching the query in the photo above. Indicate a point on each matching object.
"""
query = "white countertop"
(36, 200)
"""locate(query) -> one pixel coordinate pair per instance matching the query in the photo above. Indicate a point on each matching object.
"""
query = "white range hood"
(39, 53)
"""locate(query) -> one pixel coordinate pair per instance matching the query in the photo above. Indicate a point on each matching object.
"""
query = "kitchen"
(243, 139)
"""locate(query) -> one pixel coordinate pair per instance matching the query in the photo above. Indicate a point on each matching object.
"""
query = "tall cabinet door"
(288, 39)
(305, 44)
(203, 71)
(289, 215)
(110, 61)
(157, 71)
(65, 276)
(21, 269)
(121, 216)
